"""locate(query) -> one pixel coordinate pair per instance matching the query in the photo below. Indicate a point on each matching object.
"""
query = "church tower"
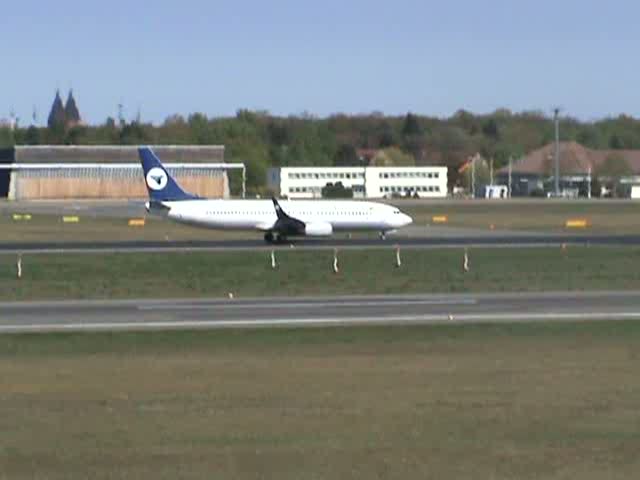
(56, 115)
(71, 113)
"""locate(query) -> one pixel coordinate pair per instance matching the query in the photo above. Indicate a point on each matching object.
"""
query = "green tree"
(393, 156)
(611, 171)
(337, 190)
(6, 137)
(467, 121)
(346, 156)
(481, 175)
(590, 137)
(76, 135)
(615, 142)
(411, 125)
(256, 160)
(452, 143)
(32, 136)
(490, 129)
(135, 134)
(386, 135)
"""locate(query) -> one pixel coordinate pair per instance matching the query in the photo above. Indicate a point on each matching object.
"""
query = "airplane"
(277, 220)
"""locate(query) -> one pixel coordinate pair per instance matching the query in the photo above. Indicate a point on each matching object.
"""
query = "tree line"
(262, 140)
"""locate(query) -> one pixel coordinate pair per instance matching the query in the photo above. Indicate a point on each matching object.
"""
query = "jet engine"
(318, 229)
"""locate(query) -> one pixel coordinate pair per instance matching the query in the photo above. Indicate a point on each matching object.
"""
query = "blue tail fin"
(160, 184)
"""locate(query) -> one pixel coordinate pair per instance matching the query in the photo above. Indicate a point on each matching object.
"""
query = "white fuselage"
(342, 215)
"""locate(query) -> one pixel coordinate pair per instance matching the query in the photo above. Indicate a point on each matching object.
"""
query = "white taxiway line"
(262, 306)
(343, 321)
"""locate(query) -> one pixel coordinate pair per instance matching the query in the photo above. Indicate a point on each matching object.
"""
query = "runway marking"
(231, 306)
(459, 319)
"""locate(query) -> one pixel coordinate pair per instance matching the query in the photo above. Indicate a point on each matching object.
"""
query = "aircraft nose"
(400, 220)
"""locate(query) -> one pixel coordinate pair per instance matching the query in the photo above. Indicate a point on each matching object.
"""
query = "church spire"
(71, 113)
(56, 115)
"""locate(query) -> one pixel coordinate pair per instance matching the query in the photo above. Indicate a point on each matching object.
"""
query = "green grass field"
(304, 272)
(496, 401)
(51, 228)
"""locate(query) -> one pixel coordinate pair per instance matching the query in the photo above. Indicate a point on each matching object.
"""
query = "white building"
(366, 182)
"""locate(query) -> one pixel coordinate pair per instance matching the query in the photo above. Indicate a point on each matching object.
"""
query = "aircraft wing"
(286, 224)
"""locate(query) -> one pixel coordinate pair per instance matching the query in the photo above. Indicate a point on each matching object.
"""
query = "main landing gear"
(269, 237)
(383, 235)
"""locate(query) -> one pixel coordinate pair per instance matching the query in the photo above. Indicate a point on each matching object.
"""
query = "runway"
(414, 236)
(112, 315)
(530, 240)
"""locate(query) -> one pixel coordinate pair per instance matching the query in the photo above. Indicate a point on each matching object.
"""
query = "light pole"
(510, 171)
(244, 181)
(556, 112)
(473, 177)
(491, 171)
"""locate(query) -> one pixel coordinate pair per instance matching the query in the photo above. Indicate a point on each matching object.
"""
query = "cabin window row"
(293, 212)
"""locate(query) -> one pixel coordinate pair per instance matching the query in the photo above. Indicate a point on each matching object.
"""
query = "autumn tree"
(611, 171)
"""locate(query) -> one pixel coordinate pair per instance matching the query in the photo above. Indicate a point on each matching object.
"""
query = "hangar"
(108, 171)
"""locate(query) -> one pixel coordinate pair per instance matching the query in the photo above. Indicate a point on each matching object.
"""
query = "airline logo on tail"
(161, 186)
(156, 179)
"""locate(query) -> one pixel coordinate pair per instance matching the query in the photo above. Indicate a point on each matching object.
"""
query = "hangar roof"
(574, 159)
(111, 153)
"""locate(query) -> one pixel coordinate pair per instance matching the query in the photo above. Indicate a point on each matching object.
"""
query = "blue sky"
(323, 57)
